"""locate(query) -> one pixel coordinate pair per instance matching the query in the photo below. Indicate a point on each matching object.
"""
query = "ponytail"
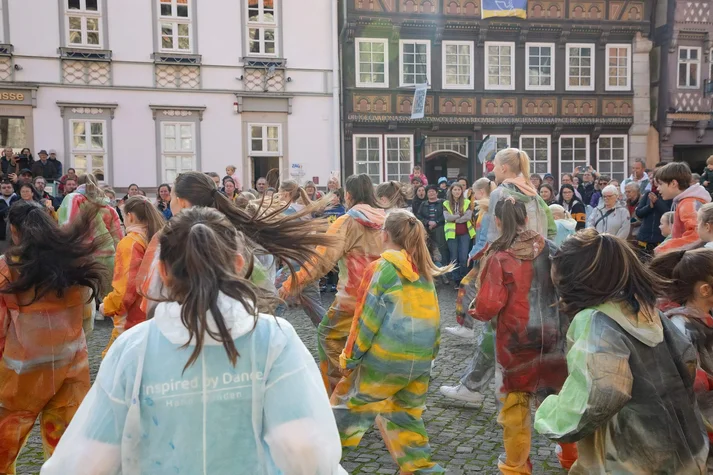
(393, 194)
(146, 213)
(681, 270)
(91, 186)
(517, 160)
(407, 232)
(296, 192)
(513, 217)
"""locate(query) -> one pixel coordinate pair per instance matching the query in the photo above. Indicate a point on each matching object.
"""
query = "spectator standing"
(163, 202)
(432, 217)
(650, 210)
(633, 197)
(418, 174)
(611, 216)
(54, 161)
(599, 185)
(133, 190)
(587, 185)
(536, 180)
(674, 183)
(24, 159)
(707, 176)
(419, 196)
(40, 184)
(549, 179)
(638, 176)
(44, 168)
(442, 188)
(21, 178)
(8, 163)
(230, 189)
(71, 173)
(7, 199)
(572, 205)
(312, 192)
(459, 230)
(261, 186)
(568, 179)
(547, 193)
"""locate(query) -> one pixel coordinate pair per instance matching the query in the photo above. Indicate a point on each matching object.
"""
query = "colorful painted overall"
(629, 399)
(516, 290)
(106, 222)
(361, 244)
(44, 369)
(387, 361)
(123, 303)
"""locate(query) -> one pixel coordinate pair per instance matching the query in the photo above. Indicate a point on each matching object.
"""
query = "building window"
(265, 140)
(372, 62)
(612, 156)
(499, 65)
(399, 157)
(618, 68)
(458, 65)
(540, 67)
(689, 61)
(262, 28)
(367, 156)
(175, 26)
(538, 149)
(415, 62)
(89, 147)
(574, 152)
(580, 67)
(83, 23)
(178, 149)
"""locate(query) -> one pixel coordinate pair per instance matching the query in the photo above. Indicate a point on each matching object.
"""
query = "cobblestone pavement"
(465, 438)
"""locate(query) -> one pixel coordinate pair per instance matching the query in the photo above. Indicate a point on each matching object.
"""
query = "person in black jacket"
(7, 198)
(44, 168)
(650, 209)
(569, 201)
(431, 215)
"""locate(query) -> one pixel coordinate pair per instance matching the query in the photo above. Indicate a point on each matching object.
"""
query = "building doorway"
(694, 155)
(446, 157)
(262, 165)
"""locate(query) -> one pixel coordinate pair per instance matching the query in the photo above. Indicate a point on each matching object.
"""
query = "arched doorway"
(446, 156)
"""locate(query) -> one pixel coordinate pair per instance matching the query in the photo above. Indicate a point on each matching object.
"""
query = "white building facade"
(137, 91)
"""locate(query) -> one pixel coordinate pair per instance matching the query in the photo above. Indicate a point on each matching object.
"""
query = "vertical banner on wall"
(504, 8)
(419, 102)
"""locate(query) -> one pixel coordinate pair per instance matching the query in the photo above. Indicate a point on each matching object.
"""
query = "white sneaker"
(461, 393)
(460, 331)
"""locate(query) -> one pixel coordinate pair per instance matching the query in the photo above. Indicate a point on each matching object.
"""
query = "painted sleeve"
(372, 308)
(69, 209)
(299, 426)
(551, 225)
(493, 293)
(5, 315)
(327, 256)
(150, 278)
(129, 256)
(481, 237)
(625, 228)
(687, 213)
(598, 386)
(114, 225)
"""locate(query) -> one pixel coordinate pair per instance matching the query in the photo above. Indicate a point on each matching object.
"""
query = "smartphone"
(583, 169)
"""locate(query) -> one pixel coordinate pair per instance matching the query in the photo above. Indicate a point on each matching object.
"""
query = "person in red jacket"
(674, 183)
(418, 174)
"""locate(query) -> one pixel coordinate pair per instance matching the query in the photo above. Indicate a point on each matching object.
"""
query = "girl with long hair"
(359, 244)
(629, 399)
(572, 205)
(209, 384)
(419, 196)
(689, 283)
(268, 233)
(48, 281)
(106, 222)
(393, 340)
(163, 203)
(391, 196)
(123, 304)
(312, 192)
(511, 168)
(515, 289)
(459, 230)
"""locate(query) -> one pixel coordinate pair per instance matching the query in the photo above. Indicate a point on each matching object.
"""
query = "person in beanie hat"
(442, 188)
(44, 168)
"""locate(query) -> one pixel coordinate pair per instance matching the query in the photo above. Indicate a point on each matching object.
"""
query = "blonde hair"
(706, 213)
(407, 232)
(483, 184)
(559, 210)
(91, 183)
(393, 193)
(669, 216)
(295, 191)
(517, 160)
(710, 160)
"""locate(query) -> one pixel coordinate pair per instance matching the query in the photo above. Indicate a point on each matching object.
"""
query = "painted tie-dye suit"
(123, 303)
(106, 222)
(361, 244)
(629, 399)
(393, 340)
(44, 369)
(516, 291)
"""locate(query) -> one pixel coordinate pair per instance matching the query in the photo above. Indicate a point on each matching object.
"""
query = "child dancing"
(393, 340)
(629, 398)
(515, 290)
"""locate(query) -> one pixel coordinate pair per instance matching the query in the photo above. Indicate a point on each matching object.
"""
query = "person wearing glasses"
(610, 216)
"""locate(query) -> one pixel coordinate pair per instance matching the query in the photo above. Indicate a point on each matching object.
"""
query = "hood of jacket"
(237, 319)
(696, 191)
(569, 223)
(647, 327)
(402, 261)
(522, 184)
(527, 246)
(372, 218)
(692, 313)
(82, 190)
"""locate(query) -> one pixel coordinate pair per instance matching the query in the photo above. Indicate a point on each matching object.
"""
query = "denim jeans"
(458, 249)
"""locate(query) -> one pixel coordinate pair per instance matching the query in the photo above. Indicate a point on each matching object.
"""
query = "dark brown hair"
(679, 171)
(513, 217)
(198, 249)
(393, 194)
(682, 270)
(50, 259)
(361, 190)
(146, 213)
(268, 230)
(273, 178)
(591, 269)
(461, 200)
(295, 191)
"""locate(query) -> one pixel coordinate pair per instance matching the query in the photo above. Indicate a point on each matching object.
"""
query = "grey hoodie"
(617, 223)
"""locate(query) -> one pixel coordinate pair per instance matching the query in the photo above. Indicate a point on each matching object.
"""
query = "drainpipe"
(336, 103)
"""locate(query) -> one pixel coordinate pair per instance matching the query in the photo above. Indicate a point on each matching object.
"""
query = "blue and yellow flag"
(510, 8)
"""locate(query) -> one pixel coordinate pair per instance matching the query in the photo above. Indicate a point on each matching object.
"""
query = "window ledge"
(86, 54)
(263, 62)
(6, 49)
(177, 58)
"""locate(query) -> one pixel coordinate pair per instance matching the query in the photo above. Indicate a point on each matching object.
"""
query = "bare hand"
(653, 199)
(706, 183)
(101, 309)
(13, 177)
